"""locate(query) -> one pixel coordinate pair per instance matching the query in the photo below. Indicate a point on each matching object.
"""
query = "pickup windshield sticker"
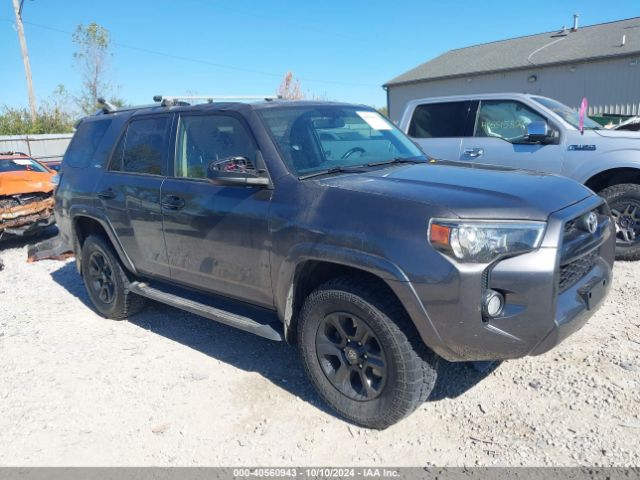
(374, 120)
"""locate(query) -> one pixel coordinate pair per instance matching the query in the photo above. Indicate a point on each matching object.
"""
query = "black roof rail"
(184, 100)
(180, 101)
(104, 111)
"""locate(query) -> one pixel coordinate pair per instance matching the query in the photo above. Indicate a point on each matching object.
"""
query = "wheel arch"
(85, 224)
(311, 265)
(613, 176)
(311, 273)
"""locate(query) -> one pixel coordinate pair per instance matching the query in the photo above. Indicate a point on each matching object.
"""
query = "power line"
(201, 61)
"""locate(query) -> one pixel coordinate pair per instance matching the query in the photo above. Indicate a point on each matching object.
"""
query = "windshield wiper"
(359, 168)
(398, 160)
(329, 171)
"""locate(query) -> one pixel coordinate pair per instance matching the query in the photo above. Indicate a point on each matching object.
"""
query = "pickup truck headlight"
(484, 242)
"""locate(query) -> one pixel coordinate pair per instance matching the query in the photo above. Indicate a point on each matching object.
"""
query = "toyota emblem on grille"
(590, 222)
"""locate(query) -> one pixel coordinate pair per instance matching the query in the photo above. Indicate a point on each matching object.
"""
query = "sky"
(339, 49)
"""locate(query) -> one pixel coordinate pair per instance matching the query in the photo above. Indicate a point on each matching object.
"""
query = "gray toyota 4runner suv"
(323, 225)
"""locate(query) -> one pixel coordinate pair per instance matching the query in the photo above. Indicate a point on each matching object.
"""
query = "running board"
(204, 306)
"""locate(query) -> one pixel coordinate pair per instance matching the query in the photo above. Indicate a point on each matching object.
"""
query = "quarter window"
(203, 139)
(85, 143)
(143, 147)
(441, 120)
(505, 119)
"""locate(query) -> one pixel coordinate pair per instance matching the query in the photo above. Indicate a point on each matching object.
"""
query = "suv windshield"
(20, 165)
(330, 137)
(568, 114)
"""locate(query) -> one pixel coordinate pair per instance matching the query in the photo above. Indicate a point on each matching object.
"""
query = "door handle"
(473, 152)
(107, 194)
(173, 202)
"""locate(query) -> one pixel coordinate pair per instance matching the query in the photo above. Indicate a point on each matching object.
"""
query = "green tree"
(18, 121)
(53, 115)
(92, 55)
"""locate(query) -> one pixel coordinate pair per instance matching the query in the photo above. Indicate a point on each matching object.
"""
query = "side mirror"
(236, 171)
(539, 132)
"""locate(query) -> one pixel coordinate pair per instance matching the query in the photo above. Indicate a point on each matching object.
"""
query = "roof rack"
(107, 107)
(179, 101)
(182, 100)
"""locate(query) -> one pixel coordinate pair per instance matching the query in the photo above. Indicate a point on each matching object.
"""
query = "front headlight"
(483, 242)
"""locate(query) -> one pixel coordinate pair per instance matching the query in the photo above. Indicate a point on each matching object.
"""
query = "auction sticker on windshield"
(374, 120)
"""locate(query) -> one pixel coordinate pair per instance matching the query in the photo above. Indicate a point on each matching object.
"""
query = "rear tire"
(106, 280)
(624, 202)
(374, 383)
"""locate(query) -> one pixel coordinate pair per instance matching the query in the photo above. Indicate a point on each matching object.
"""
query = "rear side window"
(143, 147)
(85, 143)
(441, 120)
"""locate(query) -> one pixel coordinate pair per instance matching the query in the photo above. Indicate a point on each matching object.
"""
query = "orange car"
(26, 194)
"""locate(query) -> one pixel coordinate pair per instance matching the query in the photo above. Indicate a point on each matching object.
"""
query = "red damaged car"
(26, 195)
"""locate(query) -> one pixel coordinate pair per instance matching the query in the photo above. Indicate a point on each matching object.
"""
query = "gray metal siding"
(45, 147)
(611, 86)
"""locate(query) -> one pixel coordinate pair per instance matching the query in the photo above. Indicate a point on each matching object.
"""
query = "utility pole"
(17, 8)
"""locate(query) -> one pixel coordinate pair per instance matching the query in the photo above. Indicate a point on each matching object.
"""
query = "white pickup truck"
(536, 133)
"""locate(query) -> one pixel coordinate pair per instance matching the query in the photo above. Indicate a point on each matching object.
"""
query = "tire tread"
(130, 303)
(420, 364)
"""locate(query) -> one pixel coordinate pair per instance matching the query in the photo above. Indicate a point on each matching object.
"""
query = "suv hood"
(470, 190)
(15, 183)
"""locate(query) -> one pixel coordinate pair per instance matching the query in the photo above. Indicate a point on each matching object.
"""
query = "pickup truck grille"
(580, 248)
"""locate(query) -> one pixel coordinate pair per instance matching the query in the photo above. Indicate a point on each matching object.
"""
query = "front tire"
(106, 281)
(624, 202)
(363, 354)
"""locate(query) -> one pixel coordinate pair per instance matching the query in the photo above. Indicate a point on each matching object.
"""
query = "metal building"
(600, 62)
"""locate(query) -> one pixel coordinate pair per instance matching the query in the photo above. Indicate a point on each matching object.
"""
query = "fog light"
(492, 303)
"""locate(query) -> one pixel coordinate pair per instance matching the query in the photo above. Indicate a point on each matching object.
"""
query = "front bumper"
(538, 313)
(573, 307)
(24, 219)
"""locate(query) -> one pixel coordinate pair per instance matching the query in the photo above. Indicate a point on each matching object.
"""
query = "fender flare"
(97, 215)
(610, 164)
(387, 271)
(343, 256)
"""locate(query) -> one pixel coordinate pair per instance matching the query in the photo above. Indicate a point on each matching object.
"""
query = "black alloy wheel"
(624, 203)
(362, 352)
(101, 277)
(106, 280)
(351, 356)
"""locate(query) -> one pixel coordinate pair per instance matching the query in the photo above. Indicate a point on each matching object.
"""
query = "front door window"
(505, 119)
(203, 139)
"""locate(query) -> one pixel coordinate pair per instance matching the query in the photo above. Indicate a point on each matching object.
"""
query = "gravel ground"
(171, 388)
